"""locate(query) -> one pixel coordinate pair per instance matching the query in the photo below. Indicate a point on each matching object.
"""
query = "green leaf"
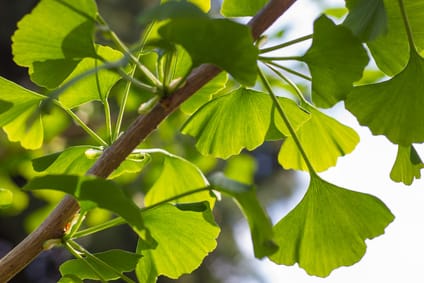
(222, 42)
(120, 260)
(323, 138)
(53, 38)
(172, 10)
(95, 86)
(259, 222)
(328, 228)
(335, 53)
(77, 160)
(205, 94)
(391, 50)
(185, 177)
(242, 8)
(393, 108)
(22, 121)
(367, 18)
(241, 168)
(103, 193)
(70, 278)
(184, 239)
(407, 166)
(6, 198)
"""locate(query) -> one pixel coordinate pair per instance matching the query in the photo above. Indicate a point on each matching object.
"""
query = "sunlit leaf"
(184, 239)
(336, 59)
(393, 108)
(259, 222)
(241, 8)
(53, 38)
(21, 122)
(324, 140)
(95, 86)
(172, 10)
(367, 18)
(185, 177)
(6, 198)
(222, 42)
(391, 50)
(241, 168)
(328, 228)
(407, 166)
(120, 260)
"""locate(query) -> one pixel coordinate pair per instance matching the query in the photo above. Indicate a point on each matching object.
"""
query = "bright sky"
(396, 256)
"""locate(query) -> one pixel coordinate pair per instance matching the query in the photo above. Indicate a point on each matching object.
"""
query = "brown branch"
(53, 226)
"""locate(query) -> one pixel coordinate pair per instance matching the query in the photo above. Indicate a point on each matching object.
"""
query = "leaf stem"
(282, 58)
(285, 44)
(287, 122)
(288, 70)
(407, 26)
(81, 123)
(106, 225)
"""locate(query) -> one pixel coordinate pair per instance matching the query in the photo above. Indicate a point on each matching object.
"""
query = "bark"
(53, 227)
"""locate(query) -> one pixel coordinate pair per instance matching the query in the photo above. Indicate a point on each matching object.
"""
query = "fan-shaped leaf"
(241, 8)
(328, 228)
(407, 166)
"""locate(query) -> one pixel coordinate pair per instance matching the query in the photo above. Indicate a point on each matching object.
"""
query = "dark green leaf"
(367, 18)
(407, 166)
(393, 108)
(336, 60)
(184, 239)
(241, 8)
(120, 260)
(328, 228)
(259, 222)
(53, 37)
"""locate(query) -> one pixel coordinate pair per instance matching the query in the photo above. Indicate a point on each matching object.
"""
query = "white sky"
(396, 256)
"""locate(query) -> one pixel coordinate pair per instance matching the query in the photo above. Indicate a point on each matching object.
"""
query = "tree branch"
(53, 226)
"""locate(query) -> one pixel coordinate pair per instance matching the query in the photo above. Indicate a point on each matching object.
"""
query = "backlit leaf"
(53, 38)
(324, 140)
(184, 239)
(393, 108)
(6, 198)
(120, 260)
(367, 18)
(336, 59)
(328, 228)
(241, 8)
(259, 222)
(407, 166)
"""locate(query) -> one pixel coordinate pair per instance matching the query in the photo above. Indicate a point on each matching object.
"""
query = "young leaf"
(22, 121)
(367, 19)
(407, 166)
(184, 239)
(323, 138)
(222, 42)
(393, 108)
(328, 228)
(336, 60)
(53, 38)
(242, 8)
(259, 222)
(391, 49)
(95, 86)
(6, 198)
(120, 260)
(185, 177)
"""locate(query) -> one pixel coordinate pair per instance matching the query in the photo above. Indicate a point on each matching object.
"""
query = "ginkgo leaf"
(259, 222)
(120, 260)
(393, 108)
(95, 86)
(6, 198)
(220, 125)
(328, 228)
(184, 239)
(407, 166)
(367, 18)
(241, 8)
(324, 140)
(336, 59)
(391, 49)
(53, 38)
(185, 177)
(22, 121)
(222, 42)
